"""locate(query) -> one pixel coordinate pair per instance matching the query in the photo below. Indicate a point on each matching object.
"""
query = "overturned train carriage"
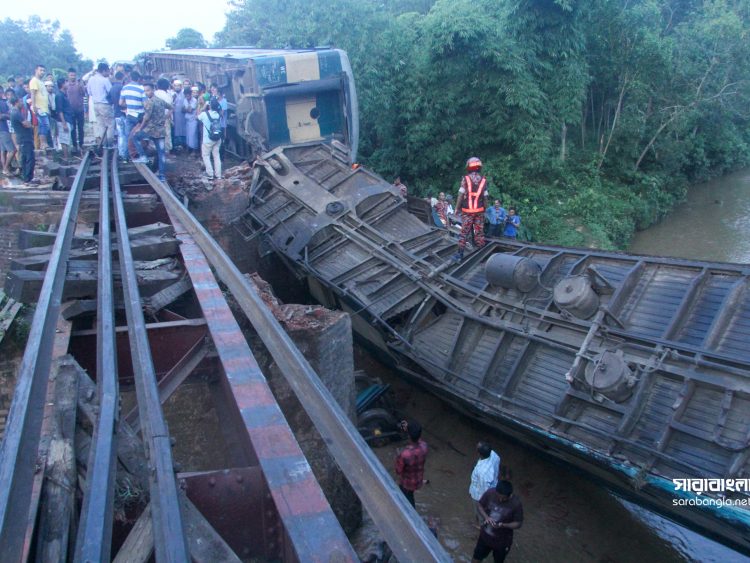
(632, 368)
(275, 96)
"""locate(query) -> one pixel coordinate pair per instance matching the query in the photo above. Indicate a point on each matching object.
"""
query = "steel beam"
(18, 455)
(401, 526)
(169, 533)
(309, 530)
(94, 539)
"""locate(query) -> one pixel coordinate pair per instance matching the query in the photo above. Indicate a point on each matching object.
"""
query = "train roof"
(239, 53)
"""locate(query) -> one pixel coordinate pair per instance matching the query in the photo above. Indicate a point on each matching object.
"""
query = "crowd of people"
(497, 509)
(128, 111)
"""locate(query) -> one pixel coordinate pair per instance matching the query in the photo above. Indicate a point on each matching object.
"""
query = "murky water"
(713, 224)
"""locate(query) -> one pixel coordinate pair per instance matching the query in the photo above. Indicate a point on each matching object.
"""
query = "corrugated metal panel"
(655, 300)
(736, 338)
(704, 309)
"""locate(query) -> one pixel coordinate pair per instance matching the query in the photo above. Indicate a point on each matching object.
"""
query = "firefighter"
(472, 200)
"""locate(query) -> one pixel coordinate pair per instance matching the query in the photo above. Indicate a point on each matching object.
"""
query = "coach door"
(302, 119)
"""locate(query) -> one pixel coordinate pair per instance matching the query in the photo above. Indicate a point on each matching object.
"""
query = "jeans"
(130, 122)
(161, 153)
(122, 137)
(27, 160)
(76, 132)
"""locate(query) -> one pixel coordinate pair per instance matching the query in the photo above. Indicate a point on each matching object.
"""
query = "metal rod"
(169, 533)
(95, 528)
(18, 456)
(401, 526)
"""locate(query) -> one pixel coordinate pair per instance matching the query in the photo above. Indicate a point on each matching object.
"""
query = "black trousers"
(409, 495)
(76, 131)
(482, 550)
(28, 161)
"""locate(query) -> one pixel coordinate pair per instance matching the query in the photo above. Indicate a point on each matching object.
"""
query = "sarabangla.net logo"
(719, 487)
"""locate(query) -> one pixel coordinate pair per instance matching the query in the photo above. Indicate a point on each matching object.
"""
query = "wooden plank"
(166, 296)
(129, 447)
(151, 305)
(39, 474)
(41, 242)
(139, 545)
(145, 248)
(29, 239)
(25, 285)
(58, 492)
(8, 315)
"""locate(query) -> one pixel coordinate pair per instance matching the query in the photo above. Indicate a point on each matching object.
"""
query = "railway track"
(124, 315)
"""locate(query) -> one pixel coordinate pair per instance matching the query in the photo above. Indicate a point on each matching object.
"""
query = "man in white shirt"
(485, 472)
(98, 88)
(211, 123)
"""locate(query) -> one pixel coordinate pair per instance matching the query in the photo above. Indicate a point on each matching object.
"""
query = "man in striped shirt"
(131, 98)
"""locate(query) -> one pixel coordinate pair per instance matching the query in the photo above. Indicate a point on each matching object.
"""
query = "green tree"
(592, 116)
(187, 38)
(36, 41)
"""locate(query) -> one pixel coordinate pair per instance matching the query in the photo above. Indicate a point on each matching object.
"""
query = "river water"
(567, 517)
(713, 224)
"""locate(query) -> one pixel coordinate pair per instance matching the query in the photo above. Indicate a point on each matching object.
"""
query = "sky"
(139, 25)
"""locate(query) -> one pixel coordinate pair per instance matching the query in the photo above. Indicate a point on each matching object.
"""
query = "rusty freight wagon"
(635, 369)
(275, 97)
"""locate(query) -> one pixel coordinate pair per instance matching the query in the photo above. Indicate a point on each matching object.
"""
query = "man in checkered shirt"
(410, 461)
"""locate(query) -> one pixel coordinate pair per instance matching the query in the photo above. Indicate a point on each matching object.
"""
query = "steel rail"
(94, 540)
(401, 526)
(18, 456)
(170, 543)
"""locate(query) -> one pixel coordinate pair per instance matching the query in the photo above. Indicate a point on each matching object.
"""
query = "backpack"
(214, 130)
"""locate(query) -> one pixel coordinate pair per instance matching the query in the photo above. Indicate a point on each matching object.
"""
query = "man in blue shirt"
(496, 216)
(512, 223)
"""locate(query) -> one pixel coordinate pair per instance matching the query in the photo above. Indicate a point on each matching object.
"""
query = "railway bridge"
(87, 471)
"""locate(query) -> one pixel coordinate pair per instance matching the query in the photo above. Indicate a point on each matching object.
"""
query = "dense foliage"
(593, 117)
(37, 41)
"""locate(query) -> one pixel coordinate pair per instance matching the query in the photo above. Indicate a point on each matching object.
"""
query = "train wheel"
(376, 426)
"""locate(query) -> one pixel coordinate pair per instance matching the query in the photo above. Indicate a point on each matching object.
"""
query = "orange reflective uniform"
(474, 197)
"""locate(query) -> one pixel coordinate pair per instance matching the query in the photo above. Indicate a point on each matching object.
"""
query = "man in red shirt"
(410, 461)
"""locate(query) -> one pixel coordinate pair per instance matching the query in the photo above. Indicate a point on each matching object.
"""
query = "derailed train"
(275, 96)
(635, 369)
